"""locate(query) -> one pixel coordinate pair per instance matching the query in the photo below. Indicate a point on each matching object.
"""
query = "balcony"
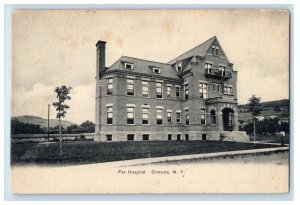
(223, 99)
(218, 74)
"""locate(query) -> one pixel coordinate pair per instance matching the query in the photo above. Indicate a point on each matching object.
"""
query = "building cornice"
(141, 75)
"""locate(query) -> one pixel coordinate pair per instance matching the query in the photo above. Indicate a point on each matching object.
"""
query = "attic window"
(217, 50)
(128, 65)
(213, 50)
(179, 66)
(156, 70)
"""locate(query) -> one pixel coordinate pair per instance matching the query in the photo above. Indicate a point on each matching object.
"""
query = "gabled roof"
(200, 50)
(167, 69)
(144, 66)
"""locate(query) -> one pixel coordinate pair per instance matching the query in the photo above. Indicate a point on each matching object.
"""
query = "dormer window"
(128, 65)
(179, 66)
(156, 70)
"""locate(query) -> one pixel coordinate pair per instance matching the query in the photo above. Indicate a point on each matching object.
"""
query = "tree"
(255, 108)
(254, 105)
(62, 94)
(71, 128)
(277, 108)
(285, 126)
(18, 127)
(89, 126)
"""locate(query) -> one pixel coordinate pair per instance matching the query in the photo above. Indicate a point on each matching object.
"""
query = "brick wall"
(196, 131)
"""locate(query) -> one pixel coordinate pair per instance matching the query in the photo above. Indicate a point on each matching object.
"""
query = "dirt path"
(274, 158)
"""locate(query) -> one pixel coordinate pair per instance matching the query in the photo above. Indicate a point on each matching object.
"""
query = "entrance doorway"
(227, 119)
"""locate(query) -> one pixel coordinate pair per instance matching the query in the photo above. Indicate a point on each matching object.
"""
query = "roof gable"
(216, 49)
(208, 47)
(201, 50)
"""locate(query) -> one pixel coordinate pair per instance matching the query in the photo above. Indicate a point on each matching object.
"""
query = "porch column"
(219, 120)
(208, 119)
(236, 122)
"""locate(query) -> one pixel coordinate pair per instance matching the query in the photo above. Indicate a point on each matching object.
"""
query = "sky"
(52, 48)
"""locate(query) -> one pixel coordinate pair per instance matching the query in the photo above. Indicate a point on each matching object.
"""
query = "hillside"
(268, 104)
(268, 109)
(40, 121)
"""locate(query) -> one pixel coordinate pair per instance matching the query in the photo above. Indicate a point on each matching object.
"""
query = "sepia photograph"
(150, 101)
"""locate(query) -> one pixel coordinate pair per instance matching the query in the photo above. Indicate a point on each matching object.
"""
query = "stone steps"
(237, 136)
(234, 136)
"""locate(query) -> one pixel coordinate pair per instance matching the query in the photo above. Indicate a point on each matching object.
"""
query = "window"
(203, 90)
(156, 70)
(130, 137)
(178, 116)
(169, 137)
(215, 50)
(227, 90)
(203, 117)
(203, 136)
(179, 66)
(130, 115)
(169, 116)
(130, 87)
(159, 113)
(186, 91)
(109, 111)
(186, 136)
(169, 90)
(145, 89)
(213, 117)
(177, 90)
(145, 116)
(187, 117)
(222, 70)
(208, 67)
(178, 137)
(128, 66)
(146, 136)
(159, 90)
(108, 137)
(109, 86)
(216, 87)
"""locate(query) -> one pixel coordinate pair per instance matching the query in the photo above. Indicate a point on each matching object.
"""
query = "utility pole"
(254, 129)
(48, 121)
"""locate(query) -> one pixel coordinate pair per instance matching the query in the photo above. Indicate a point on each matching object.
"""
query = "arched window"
(213, 117)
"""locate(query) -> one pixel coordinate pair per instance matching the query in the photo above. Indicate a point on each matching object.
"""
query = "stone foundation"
(236, 136)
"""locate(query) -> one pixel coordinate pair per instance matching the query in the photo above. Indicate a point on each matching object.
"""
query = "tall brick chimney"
(100, 58)
(100, 68)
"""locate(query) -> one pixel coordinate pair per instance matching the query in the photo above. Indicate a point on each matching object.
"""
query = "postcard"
(150, 101)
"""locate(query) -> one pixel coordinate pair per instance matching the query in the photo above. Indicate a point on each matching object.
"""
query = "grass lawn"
(82, 152)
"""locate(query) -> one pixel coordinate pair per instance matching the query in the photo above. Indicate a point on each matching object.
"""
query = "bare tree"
(60, 106)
